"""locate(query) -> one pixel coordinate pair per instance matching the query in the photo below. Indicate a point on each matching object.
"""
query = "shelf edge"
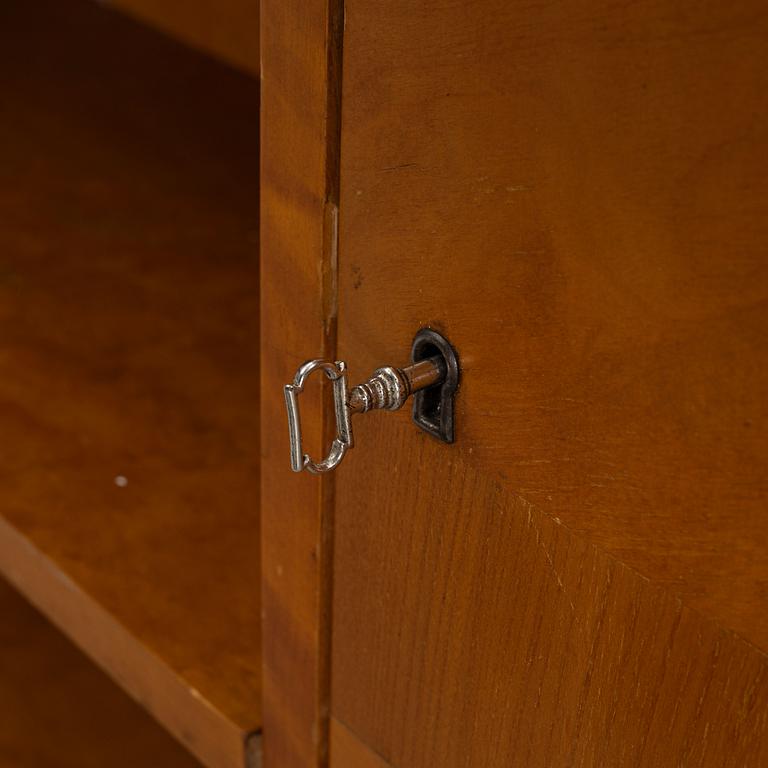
(179, 708)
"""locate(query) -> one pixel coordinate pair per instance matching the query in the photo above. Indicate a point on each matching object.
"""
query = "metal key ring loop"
(336, 372)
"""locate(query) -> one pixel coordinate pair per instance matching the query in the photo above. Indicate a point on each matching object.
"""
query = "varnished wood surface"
(471, 629)
(299, 193)
(348, 751)
(227, 28)
(162, 691)
(578, 198)
(129, 351)
(59, 711)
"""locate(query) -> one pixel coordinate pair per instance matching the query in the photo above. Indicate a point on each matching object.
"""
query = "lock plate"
(433, 407)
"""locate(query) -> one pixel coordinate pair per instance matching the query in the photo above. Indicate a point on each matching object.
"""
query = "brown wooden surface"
(161, 690)
(226, 28)
(299, 174)
(59, 711)
(578, 198)
(486, 634)
(347, 750)
(129, 309)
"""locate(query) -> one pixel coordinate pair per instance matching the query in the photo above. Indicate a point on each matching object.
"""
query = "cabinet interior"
(40, 669)
(129, 381)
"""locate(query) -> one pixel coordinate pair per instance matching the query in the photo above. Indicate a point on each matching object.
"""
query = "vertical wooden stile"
(300, 71)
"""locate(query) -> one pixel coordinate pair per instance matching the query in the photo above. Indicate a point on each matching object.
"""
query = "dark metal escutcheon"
(433, 409)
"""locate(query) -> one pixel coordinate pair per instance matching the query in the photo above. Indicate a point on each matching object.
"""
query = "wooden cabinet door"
(576, 195)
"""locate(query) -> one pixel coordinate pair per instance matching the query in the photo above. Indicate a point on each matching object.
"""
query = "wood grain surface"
(129, 351)
(162, 691)
(299, 194)
(578, 198)
(228, 29)
(347, 750)
(471, 629)
(59, 711)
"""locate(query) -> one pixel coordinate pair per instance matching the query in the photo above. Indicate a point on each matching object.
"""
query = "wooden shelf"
(59, 711)
(129, 359)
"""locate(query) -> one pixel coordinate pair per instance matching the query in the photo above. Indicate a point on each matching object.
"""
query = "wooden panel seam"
(349, 751)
